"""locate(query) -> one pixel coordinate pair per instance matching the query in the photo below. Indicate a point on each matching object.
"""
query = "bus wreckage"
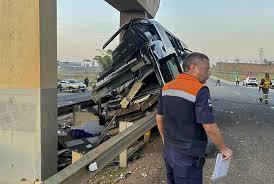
(147, 57)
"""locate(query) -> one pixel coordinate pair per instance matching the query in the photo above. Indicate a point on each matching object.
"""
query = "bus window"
(169, 69)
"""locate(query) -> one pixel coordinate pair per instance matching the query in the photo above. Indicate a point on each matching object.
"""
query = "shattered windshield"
(169, 69)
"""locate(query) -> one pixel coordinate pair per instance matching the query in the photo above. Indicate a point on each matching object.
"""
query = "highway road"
(68, 98)
(248, 128)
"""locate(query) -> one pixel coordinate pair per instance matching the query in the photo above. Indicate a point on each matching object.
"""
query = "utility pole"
(261, 55)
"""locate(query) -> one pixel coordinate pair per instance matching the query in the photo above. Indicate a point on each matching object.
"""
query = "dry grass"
(229, 77)
(77, 74)
(225, 70)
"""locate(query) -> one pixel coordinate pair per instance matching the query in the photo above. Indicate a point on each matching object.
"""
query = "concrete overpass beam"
(150, 6)
(135, 8)
(126, 16)
(28, 107)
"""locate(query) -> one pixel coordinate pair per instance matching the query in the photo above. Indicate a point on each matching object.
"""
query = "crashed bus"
(147, 57)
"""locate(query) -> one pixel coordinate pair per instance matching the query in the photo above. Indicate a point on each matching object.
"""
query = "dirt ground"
(146, 167)
(149, 168)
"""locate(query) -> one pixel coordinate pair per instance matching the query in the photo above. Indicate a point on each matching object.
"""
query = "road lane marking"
(237, 92)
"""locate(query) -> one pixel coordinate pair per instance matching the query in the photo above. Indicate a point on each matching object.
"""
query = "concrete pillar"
(28, 107)
(130, 9)
(123, 155)
(136, 6)
(126, 16)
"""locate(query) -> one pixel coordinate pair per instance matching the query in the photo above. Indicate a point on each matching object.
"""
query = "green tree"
(104, 60)
(109, 52)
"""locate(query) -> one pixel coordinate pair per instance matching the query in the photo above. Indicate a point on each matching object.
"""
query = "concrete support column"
(28, 107)
(126, 16)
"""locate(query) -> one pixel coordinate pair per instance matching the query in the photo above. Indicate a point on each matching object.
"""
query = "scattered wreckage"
(147, 57)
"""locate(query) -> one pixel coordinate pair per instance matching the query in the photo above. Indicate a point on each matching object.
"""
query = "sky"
(224, 30)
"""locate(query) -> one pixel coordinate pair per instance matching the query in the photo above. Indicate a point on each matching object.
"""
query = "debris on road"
(123, 176)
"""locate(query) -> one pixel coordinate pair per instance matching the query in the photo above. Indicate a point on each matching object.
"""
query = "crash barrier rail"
(69, 108)
(91, 163)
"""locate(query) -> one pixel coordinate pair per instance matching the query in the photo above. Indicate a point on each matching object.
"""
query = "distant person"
(237, 81)
(264, 86)
(218, 82)
(86, 81)
(260, 88)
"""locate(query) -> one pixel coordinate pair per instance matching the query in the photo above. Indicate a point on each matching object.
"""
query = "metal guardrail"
(103, 154)
(69, 108)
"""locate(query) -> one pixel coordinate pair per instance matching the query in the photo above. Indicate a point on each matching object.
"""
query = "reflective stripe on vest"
(180, 94)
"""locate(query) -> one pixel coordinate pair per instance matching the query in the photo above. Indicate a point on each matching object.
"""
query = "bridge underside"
(135, 9)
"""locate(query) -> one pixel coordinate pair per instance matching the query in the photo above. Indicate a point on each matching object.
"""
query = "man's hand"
(227, 153)
(213, 132)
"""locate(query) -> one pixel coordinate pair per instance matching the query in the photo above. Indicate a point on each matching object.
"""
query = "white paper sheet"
(221, 167)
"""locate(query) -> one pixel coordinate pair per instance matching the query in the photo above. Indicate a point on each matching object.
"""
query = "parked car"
(71, 84)
(250, 81)
(272, 85)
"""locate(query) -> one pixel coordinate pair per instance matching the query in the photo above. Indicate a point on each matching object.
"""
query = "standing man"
(185, 120)
(86, 81)
(237, 80)
(264, 86)
(218, 82)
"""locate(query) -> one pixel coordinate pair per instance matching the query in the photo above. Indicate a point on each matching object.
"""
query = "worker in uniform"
(237, 81)
(185, 120)
(264, 86)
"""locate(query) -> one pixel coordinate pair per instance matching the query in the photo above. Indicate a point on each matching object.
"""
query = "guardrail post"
(75, 109)
(75, 156)
(123, 155)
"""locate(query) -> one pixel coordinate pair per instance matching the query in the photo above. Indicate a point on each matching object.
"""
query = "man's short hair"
(193, 58)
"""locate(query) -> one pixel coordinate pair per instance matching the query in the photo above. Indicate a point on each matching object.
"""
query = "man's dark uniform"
(185, 105)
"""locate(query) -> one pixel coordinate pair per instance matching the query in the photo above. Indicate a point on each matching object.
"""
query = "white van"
(251, 81)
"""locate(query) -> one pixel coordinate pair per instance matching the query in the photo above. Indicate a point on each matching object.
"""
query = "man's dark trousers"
(181, 169)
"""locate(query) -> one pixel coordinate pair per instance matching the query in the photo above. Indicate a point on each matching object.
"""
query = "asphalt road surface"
(68, 98)
(248, 128)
